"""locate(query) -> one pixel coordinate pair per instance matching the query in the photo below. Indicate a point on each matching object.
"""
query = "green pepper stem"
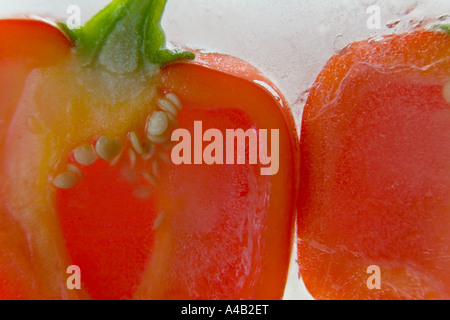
(125, 37)
(443, 27)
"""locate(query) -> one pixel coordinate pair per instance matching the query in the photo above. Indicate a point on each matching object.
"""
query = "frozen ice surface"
(289, 40)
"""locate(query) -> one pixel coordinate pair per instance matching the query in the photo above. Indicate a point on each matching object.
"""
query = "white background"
(288, 40)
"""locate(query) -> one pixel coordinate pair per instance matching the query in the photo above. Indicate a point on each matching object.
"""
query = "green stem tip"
(443, 27)
(125, 36)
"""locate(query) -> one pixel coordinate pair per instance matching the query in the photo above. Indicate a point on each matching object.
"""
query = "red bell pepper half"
(87, 178)
(374, 210)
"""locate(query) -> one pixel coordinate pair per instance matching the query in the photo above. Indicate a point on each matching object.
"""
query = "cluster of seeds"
(153, 147)
(159, 121)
